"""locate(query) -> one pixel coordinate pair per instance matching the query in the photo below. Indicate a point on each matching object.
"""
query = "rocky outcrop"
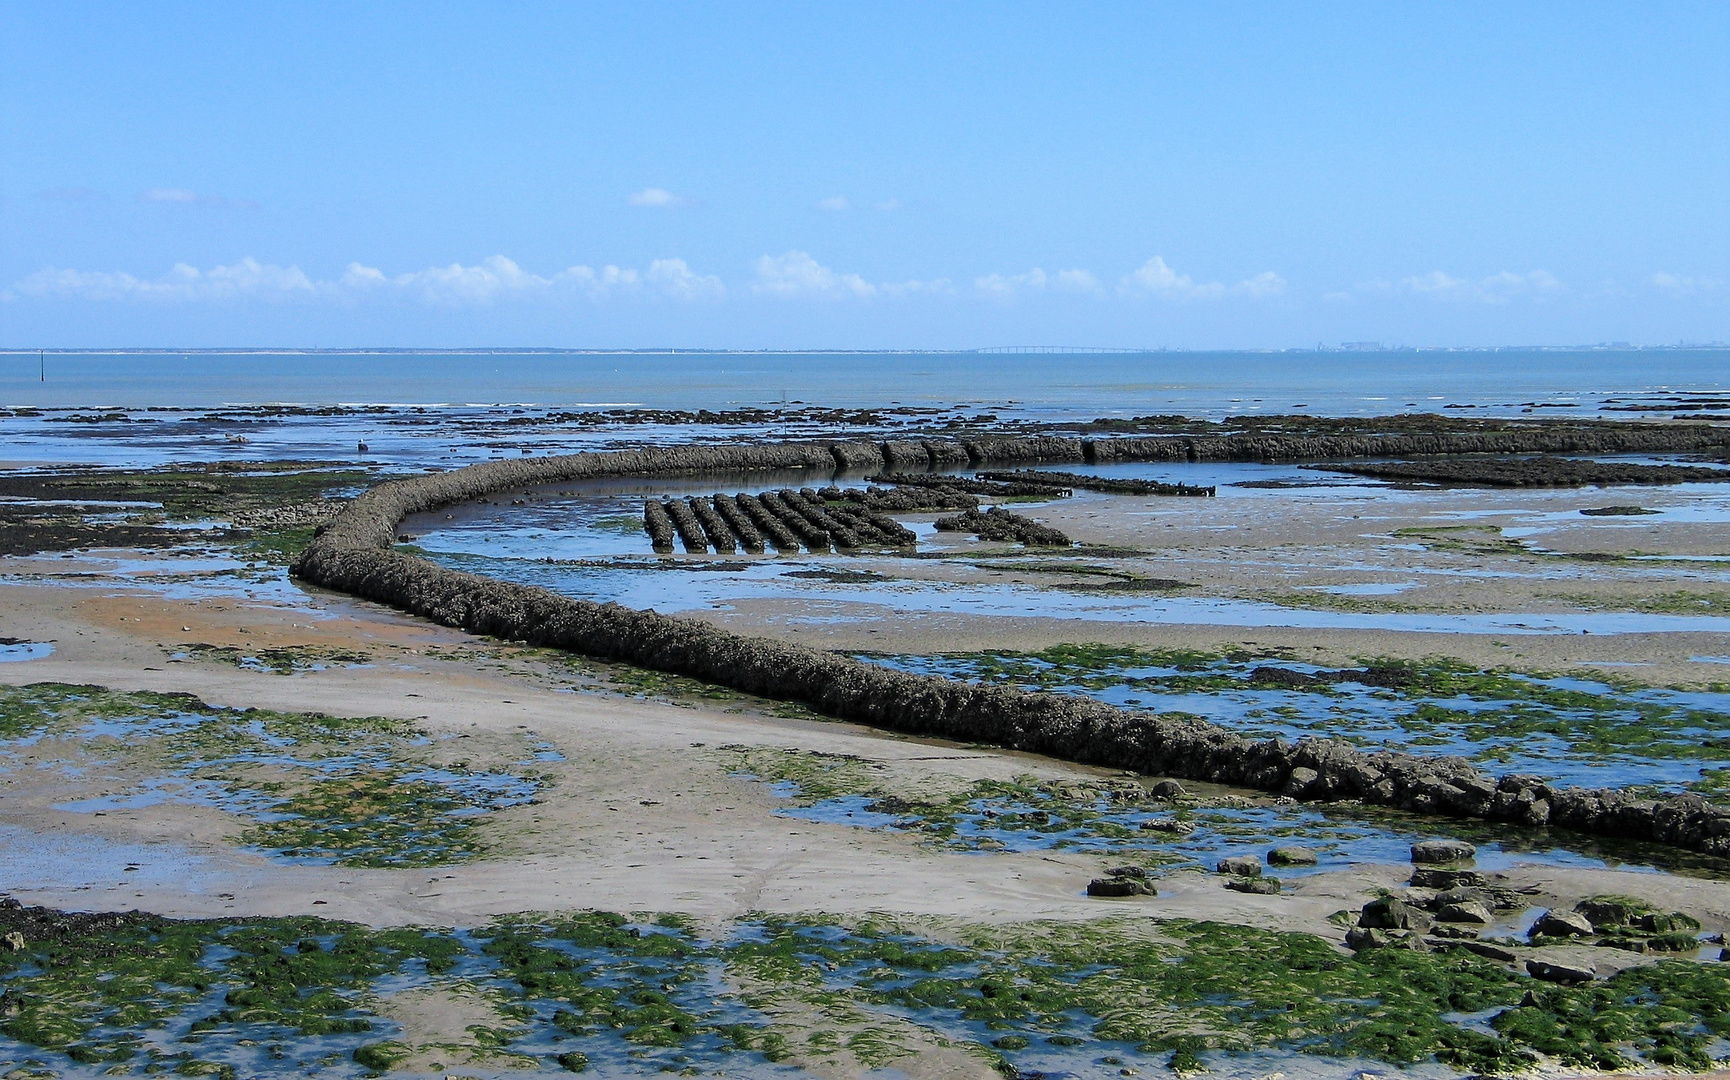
(353, 554)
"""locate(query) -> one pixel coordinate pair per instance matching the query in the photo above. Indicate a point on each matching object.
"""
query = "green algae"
(357, 791)
(278, 546)
(1489, 714)
(1679, 602)
(1319, 600)
(279, 660)
(114, 988)
(142, 993)
(1183, 987)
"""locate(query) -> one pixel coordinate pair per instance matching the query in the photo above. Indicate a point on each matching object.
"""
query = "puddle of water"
(645, 585)
(1044, 823)
(1569, 730)
(24, 650)
(189, 573)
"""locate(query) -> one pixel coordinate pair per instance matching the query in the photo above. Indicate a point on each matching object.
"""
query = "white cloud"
(797, 274)
(1266, 283)
(187, 197)
(1155, 278)
(1498, 288)
(1679, 283)
(834, 203)
(657, 199)
(673, 277)
(497, 278)
(247, 278)
(494, 278)
(1007, 286)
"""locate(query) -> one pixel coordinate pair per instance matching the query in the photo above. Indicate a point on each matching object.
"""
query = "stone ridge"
(353, 554)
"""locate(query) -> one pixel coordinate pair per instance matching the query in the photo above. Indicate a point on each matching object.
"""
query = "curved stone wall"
(353, 554)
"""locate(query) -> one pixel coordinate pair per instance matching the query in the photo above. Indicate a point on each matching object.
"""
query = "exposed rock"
(1471, 911)
(1442, 851)
(1562, 924)
(1299, 782)
(1292, 856)
(1169, 790)
(1113, 887)
(1123, 881)
(1167, 825)
(1655, 922)
(1359, 938)
(1459, 930)
(1435, 877)
(1240, 866)
(1550, 971)
(1260, 886)
(1602, 912)
(1389, 913)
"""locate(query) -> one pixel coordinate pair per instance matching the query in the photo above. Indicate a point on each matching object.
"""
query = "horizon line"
(995, 350)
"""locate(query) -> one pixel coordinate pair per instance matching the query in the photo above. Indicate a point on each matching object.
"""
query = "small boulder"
(1656, 922)
(1292, 856)
(1442, 851)
(1240, 866)
(1429, 877)
(1607, 911)
(1168, 790)
(1561, 973)
(1167, 825)
(1113, 887)
(1561, 924)
(1258, 886)
(1123, 881)
(1469, 912)
(1300, 780)
(13, 942)
(1391, 914)
(1455, 930)
(1359, 938)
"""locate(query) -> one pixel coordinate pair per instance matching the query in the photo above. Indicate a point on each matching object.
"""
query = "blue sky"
(871, 175)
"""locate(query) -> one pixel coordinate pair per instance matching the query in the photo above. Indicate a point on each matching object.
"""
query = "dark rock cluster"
(1544, 471)
(1109, 485)
(999, 524)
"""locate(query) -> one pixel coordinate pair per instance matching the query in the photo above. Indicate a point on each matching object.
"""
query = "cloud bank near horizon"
(794, 275)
